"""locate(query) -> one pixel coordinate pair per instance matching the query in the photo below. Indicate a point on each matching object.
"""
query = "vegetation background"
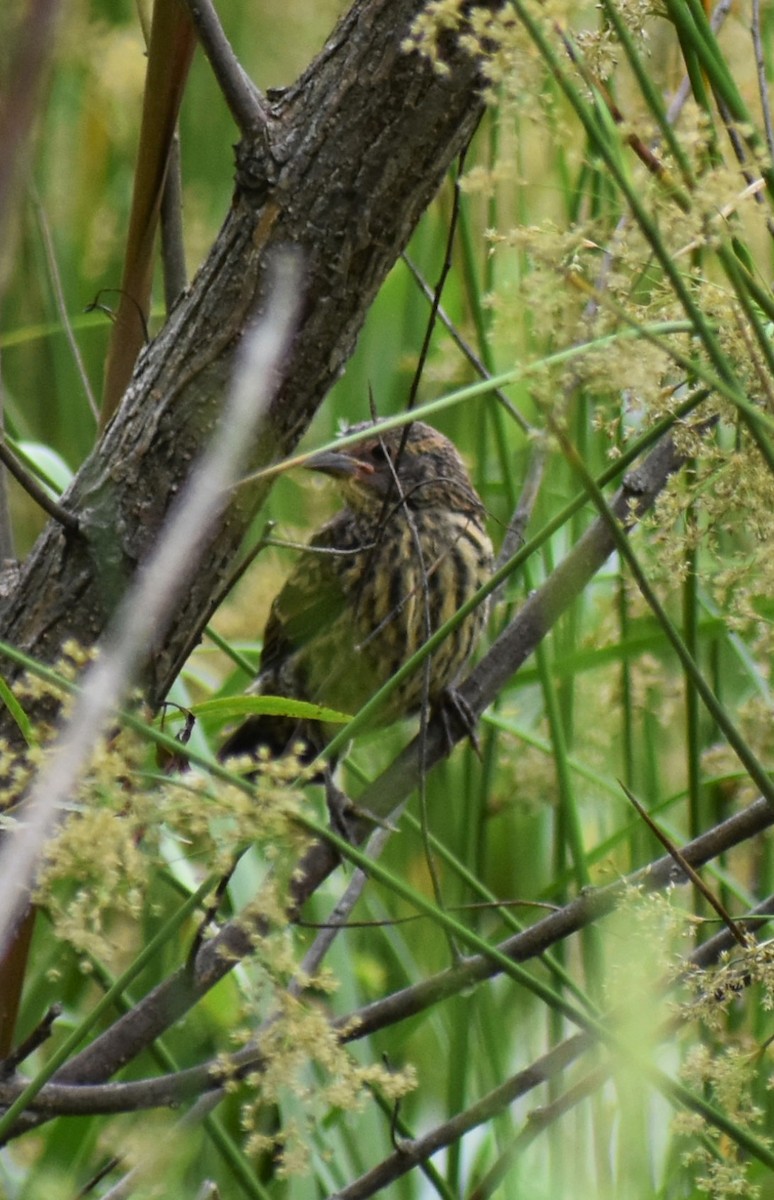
(613, 250)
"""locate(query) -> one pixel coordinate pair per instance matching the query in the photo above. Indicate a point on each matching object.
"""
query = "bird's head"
(424, 471)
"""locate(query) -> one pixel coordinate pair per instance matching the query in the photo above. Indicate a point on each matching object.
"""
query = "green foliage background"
(547, 256)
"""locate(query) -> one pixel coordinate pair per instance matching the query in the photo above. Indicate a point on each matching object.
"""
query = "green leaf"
(17, 712)
(229, 707)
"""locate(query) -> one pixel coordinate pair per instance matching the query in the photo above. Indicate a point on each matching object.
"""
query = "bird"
(406, 550)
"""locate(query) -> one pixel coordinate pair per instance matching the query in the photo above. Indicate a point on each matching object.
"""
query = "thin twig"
(538, 1121)
(435, 302)
(339, 916)
(517, 526)
(88, 1189)
(66, 519)
(40, 1034)
(411, 1153)
(64, 316)
(172, 243)
(763, 83)
(233, 577)
(7, 543)
(465, 346)
(685, 866)
(247, 105)
(56, 1099)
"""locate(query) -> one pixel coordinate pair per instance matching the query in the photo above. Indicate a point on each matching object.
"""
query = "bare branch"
(7, 540)
(462, 345)
(172, 244)
(763, 83)
(514, 534)
(150, 603)
(348, 174)
(60, 1098)
(410, 1154)
(160, 1009)
(580, 912)
(385, 796)
(243, 98)
(56, 511)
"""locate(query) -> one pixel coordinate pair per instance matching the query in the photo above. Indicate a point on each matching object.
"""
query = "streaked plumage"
(388, 570)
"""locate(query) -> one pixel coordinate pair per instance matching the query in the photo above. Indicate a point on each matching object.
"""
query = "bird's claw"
(454, 710)
(346, 816)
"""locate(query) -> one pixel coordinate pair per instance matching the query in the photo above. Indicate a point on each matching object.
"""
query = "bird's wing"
(313, 596)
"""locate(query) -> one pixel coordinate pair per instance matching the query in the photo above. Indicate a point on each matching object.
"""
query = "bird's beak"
(338, 464)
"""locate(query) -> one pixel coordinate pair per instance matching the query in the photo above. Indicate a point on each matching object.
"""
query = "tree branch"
(149, 604)
(65, 1095)
(167, 1002)
(385, 795)
(35, 490)
(355, 151)
(245, 102)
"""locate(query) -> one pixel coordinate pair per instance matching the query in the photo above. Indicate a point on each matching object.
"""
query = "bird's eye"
(378, 453)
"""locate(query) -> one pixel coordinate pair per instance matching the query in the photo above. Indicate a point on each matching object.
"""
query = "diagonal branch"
(355, 151)
(150, 603)
(243, 98)
(170, 1000)
(36, 490)
(514, 646)
(66, 1096)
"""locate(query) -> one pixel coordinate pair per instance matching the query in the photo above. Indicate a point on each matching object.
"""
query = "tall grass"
(596, 215)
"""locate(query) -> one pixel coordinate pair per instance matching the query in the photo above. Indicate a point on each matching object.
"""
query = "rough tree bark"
(343, 167)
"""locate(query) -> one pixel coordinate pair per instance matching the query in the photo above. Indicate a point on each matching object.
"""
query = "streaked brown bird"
(375, 582)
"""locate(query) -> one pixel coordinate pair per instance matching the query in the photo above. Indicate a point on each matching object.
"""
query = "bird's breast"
(411, 577)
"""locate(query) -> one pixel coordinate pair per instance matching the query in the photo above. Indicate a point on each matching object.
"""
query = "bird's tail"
(279, 735)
